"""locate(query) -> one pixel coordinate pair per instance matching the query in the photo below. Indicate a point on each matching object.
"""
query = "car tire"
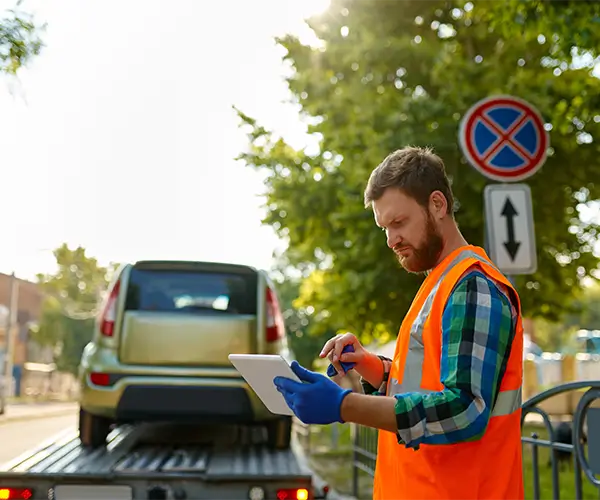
(279, 433)
(93, 429)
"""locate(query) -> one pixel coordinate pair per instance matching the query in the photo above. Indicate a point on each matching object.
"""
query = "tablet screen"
(259, 370)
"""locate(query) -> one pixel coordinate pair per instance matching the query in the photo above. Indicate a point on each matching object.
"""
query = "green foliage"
(587, 310)
(72, 295)
(567, 23)
(552, 336)
(390, 73)
(19, 40)
(306, 337)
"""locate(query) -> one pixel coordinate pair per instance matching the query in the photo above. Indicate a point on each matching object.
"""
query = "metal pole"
(11, 320)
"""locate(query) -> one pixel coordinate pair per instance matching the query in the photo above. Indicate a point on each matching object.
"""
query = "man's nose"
(393, 238)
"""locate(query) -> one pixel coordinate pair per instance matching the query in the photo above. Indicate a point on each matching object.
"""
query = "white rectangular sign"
(509, 228)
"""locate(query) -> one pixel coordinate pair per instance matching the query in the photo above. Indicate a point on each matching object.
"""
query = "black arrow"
(512, 246)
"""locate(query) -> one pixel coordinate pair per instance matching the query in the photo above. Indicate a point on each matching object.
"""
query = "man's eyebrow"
(397, 218)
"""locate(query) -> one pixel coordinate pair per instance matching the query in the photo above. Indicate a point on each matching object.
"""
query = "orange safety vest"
(490, 467)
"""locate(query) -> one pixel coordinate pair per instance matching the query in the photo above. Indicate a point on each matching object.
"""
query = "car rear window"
(191, 292)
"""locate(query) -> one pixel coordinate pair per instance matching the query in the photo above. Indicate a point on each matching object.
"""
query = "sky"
(120, 136)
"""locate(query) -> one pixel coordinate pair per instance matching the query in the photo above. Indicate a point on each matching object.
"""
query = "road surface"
(18, 436)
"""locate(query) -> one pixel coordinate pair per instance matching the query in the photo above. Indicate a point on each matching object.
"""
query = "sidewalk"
(30, 411)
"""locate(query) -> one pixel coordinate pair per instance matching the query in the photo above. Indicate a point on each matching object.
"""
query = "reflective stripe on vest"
(507, 402)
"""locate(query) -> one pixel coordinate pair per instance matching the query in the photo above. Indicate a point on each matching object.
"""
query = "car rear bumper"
(151, 398)
(144, 402)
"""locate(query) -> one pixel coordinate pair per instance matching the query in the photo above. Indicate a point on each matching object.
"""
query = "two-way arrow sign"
(511, 245)
(509, 228)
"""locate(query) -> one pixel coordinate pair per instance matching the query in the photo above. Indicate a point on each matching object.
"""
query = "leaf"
(393, 73)
(71, 299)
(20, 40)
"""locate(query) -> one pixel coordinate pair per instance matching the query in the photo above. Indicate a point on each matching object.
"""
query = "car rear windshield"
(191, 291)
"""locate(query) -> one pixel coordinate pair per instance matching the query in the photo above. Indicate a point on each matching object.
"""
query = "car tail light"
(293, 494)
(275, 324)
(101, 379)
(15, 493)
(109, 314)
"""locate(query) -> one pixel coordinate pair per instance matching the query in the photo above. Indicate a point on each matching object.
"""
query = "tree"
(588, 309)
(571, 24)
(19, 40)
(71, 298)
(390, 73)
(306, 334)
(304, 344)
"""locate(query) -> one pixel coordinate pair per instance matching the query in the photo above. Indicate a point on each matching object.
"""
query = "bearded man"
(448, 404)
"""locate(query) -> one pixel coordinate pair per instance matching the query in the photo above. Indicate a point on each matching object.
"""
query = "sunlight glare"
(309, 8)
(302, 11)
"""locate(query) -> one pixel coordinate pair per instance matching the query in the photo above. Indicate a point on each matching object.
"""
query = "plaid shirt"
(478, 325)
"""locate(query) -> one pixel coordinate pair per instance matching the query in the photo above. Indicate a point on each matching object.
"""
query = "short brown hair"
(416, 171)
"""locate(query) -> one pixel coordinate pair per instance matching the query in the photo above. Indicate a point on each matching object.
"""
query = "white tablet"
(259, 370)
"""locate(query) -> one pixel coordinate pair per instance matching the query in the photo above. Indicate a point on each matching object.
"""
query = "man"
(448, 404)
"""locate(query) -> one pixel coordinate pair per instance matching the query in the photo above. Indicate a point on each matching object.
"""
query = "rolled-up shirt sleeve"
(478, 326)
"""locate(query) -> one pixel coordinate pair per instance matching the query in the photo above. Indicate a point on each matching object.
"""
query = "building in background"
(29, 308)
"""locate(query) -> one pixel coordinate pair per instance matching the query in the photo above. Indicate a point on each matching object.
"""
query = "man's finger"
(337, 350)
(304, 374)
(349, 357)
(336, 364)
(327, 347)
(289, 400)
(286, 384)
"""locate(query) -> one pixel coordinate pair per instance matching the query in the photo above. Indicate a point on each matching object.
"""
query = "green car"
(161, 344)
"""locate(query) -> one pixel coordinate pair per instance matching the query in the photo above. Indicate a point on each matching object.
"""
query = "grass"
(330, 453)
(566, 474)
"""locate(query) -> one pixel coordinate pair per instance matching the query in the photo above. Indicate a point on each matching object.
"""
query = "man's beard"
(426, 256)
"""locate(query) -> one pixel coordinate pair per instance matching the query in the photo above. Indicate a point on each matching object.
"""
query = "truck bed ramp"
(157, 462)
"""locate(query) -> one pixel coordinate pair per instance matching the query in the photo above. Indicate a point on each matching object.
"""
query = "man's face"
(412, 233)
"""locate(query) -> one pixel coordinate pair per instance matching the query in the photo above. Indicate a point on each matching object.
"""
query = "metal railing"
(584, 433)
(583, 417)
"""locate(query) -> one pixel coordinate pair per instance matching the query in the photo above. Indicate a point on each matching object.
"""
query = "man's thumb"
(302, 373)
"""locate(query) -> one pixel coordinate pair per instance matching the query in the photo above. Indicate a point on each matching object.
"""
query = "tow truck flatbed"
(152, 461)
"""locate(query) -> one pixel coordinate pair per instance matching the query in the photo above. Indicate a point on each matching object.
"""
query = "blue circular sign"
(503, 137)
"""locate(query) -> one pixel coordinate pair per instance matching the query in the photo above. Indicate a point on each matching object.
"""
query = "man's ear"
(438, 205)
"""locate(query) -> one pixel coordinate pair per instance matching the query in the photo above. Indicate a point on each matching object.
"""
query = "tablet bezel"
(259, 370)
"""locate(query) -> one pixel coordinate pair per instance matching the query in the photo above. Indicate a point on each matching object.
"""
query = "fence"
(365, 444)
(554, 449)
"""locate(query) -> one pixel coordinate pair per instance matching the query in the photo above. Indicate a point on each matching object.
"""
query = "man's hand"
(334, 347)
(367, 364)
(315, 400)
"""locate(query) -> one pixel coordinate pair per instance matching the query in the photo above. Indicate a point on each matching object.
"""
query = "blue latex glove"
(346, 366)
(317, 400)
